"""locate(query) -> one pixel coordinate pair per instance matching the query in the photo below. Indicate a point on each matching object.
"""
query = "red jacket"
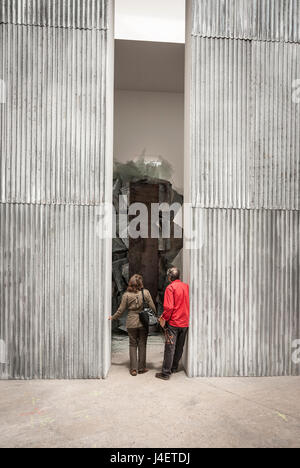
(177, 304)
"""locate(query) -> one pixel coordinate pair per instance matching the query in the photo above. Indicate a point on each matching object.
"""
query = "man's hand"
(110, 318)
(162, 322)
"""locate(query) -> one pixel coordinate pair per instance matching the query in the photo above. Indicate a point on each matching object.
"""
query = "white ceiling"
(149, 66)
(150, 20)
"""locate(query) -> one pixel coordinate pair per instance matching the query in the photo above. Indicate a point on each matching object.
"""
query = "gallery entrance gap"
(149, 170)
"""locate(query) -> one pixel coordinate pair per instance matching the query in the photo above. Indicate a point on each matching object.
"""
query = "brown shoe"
(133, 373)
(162, 376)
(143, 371)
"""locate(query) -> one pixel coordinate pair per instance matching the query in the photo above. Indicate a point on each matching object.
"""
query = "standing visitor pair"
(174, 321)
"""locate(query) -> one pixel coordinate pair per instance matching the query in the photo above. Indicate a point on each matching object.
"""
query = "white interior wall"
(150, 124)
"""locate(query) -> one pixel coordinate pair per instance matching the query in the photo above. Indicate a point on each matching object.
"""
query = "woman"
(133, 302)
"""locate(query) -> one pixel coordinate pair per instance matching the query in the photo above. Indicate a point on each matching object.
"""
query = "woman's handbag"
(147, 316)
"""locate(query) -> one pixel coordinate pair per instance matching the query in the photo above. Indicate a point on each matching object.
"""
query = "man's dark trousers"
(175, 339)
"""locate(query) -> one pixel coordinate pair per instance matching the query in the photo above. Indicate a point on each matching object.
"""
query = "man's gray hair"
(173, 273)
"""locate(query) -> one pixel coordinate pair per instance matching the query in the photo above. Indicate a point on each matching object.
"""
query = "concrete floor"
(130, 412)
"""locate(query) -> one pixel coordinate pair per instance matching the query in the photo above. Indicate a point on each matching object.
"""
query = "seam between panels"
(254, 39)
(31, 25)
(52, 204)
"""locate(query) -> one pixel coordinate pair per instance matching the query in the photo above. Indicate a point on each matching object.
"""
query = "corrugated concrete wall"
(55, 173)
(245, 181)
(262, 20)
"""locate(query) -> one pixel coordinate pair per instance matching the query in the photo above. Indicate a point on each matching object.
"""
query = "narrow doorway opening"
(148, 153)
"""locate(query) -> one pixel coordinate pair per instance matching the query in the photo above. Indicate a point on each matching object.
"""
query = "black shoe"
(175, 371)
(162, 376)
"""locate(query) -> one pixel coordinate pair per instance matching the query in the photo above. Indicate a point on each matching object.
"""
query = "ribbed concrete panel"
(55, 172)
(51, 280)
(221, 122)
(52, 125)
(245, 183)
(245, 297)
(263, 20)
(275, 154)
(245, 124)
(79, 14)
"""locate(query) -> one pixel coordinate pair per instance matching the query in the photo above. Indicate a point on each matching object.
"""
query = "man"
(175, 321)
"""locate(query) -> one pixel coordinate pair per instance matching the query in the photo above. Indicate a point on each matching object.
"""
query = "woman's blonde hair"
(135, 284)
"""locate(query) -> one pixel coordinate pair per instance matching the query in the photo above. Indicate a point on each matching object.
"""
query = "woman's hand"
(162, 322)
(110, 318)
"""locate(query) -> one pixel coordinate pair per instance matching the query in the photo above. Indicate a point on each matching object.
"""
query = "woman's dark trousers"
(137, 348)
